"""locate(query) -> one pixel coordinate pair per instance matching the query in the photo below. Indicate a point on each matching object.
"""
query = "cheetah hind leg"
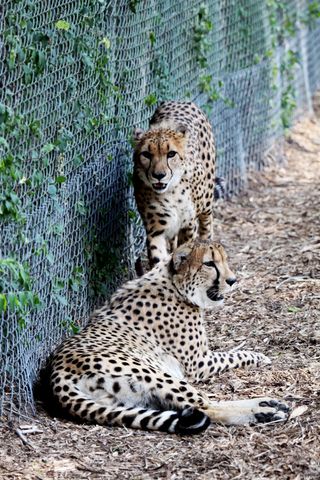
(244, 412)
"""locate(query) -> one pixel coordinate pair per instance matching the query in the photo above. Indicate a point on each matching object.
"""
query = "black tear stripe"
(157, 233)
(148, 169)
(172, 269)
(216, 282)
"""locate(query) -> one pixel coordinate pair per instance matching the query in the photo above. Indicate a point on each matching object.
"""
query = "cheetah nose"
(159, 175)
(231, 281)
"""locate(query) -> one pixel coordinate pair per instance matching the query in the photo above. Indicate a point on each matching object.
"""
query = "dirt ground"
(272, 234)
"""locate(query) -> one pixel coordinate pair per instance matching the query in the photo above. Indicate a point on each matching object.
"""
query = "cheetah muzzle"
(159, 187)
(214, 295)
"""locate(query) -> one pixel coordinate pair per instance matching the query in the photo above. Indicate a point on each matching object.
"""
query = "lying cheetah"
(132, 364)
(174, 167)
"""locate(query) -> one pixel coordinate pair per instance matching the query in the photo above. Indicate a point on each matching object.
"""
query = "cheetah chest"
(182, 214)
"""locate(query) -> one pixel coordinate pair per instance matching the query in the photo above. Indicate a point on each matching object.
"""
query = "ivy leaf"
(42, 38)
(58, 229)
(14, 198)
(74, 328)
(58, 285)
(27, 71)
(63, 139)
(62, 25)
(47, 148)
(87, 61)
(3, 303)
(150, 100)
(23, 298)
(4, 143)
(77, 160)
(133, 5)
(36, 179)
(80, 207)
(40, 61)
(22, 321)
(13, 301)
(106, 43)
(50, 258)
(36, 301)
(70, 325)
(24, 276)
(11, 59)
(60, 179)
(132, 214)
(130, 179)
(52, 190)
(152, 37)
(61, 299)
(35, 127)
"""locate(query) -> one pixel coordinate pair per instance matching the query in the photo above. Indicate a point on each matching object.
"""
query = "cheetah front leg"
(173, 243)
(242, 412)
(188, 233)
(206, 225)
(218, 362)
(156, 246)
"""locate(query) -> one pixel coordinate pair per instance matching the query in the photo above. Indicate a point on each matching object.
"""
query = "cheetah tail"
(220, 189)
(186, 421)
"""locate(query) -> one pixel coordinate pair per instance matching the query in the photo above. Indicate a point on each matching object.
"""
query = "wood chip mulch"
(272, 235)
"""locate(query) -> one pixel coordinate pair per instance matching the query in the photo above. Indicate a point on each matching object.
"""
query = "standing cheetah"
(174, 167)
(132, 364)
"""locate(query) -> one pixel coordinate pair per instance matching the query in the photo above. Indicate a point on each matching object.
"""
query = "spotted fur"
(133, 364)
(174, 177)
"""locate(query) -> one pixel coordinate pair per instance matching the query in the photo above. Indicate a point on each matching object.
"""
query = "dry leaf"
(297, 412)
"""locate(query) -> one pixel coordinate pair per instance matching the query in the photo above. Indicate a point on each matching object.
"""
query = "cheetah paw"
(263, 360)
(270, 410)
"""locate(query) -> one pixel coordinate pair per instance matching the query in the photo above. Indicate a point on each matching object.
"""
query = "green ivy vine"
(202, 42)
(284, 23)
(31, 54)
(16, 294)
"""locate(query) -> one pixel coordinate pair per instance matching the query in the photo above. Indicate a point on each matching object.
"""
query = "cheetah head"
(201, 274)
(159, 157)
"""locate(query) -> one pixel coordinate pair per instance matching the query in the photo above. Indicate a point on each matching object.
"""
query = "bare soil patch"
(272, 234)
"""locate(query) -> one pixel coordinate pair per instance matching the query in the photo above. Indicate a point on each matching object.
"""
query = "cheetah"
(133, 364)
(173, 177)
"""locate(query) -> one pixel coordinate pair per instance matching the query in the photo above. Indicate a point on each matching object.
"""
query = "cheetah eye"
(147, 155)
(209, 264)
(171, 154)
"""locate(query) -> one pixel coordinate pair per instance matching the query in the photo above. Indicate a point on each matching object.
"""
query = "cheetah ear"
(180, 256)
(137, 134)
(183, 130)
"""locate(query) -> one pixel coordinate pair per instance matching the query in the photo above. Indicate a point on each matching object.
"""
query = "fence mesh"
(76, 77)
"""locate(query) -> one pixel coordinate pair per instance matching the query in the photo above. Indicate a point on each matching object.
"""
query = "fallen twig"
(24, 440)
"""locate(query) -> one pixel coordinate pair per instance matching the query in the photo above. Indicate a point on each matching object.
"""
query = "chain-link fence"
(76, 77)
